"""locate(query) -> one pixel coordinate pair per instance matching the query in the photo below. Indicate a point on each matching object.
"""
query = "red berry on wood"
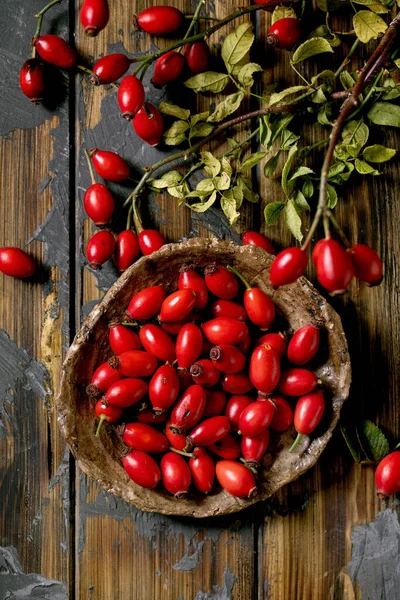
(94, 16)
(148, 124)
(16, 263)
(307, 414)
(31, 80)
(98, 202)
(100, 248)
(131, 96)
(177, 306)
(227, 358)
(142, 468)
(265, 369)
(202, 469)
(55, 51)
(109, 165)
(160, 20)
(254, 447)
(197, 56)
(236, 478)
(147, 303)
(225, 330)
(175, 473)
(126, 251)
(163, 388)
(228, 447)
(227, 308)
(189, 344)
(150, 240)
(221, 282)
(190, 279)
(253, 238)
(103, 377)
(189, 409)
(304, 344)
(141, 436)
(297, 382)
(387, 475)
(157, 341)
(333, 265)
(110, 68)
(285, 33)
(126, 392)
(288, 266)
(367, 264)
(134, 363)
(168, 68)
(237, 383)
(122, 338)
(275, 340)
(256, 417)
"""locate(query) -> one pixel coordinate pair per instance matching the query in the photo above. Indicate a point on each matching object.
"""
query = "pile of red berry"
(203, 382)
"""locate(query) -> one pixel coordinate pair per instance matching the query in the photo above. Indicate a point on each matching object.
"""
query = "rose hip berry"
(204, 372)
(387, 475)
(202, 469)
(209, 431)
(333, 265)
(197, 56)
(227, 447)
(134, 363)
(177, 306)
(253, 238)
(148, 124)
(254, 447)
(16, 263)
(285, 33)
(307, 414)
(55, 51)
(367, 264)
(190, 279)
(227, 358)
(110, 68)
(283, 416)
(297, 382)
(168, 68)
(131, 96)
(31, 80)
(215, 403)
(221, 282)
(288, 266)
(227, 308)
(126, 250)
(304, 344)
(122, 339)
(256, 417)
(150, 418)
(237, 383)
(259, 307)
(100, 248)
(236, 478)
(163, 388)
(188, 345)
(98, 202)
(157, 341)
(106, 413)
(103, 377)
(94, 16)
(160, 20)
(143, 437)
(175, 474)
(109, 165)
(150, 240)
(147, 303)
(235, 407)
(276, 340)
(189, 409)
(225, 330)
(176, 440)
(142, 468)
(265, 369)
(126, 392)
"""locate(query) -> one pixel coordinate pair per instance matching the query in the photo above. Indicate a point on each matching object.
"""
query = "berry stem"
(90, 165)
(296, 442)
(101, 421)
(39, 17)
(182, 453)
(239, 276)
(194, 19)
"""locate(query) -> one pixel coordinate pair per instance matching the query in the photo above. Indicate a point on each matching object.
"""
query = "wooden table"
(62, 536)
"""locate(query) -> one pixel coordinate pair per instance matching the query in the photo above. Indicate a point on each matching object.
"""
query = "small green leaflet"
(245, 75)
(384, 113)
(229, 206)
(272, 212)
(300, 202)
(203, 116)
(174, 111)
(377, 444)
(300, 172)
(175, 135)
(179, 191)
(168, 179)
(397, 62)
(237, 44)
(246, 185)
(203, 206)
(310, 48)
(346, 80)
(226, 107)
(378, 153)
(355, 132)
(331, 196)
(251, 161)
(288, 138)
(308, 188)
(364, 168)
(205, 185)
(293, 220)
(201, 130)
(277, 97)
(210, 81)
(287, 168)
(223, 182)
(283, 12)
(368, 26)
(212, 165)
(226, 166)
(374, 5)
(271, 164)
(352, 442)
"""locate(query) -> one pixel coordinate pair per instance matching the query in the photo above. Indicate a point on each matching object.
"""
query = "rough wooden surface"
(61, 534)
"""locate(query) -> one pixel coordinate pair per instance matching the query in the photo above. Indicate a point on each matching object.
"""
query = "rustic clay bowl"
(99, 457)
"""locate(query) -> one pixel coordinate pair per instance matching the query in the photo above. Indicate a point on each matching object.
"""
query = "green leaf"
(201, 130)
(226, 166)
(288, 138)
(310, 48)
(272, 212)
(271, 164)
(300, 202)
(212, 165)
(203, 206)
(210, 81)
(277, 97)
(346, 80)
(237, 44)
(384, 113)
(287, 168)
(355, 132)
(223, 182)
(194, 119)
(326, 79)
(341, 152)
(335, 169)
(229, 207)
(368, 26)
(245, 75)
(179, 191)
(174, 111)
(206, 186)
(308, 188)
(283, 12)
(170, 178)
(175, 135)
(325, 114)
(246, 185)
(293, 221)
(374, 5)
(252, 160)
(378, 153)
(300, 172)
(397, 62)
(226, 107)
(331, 195)
(319, 97)
(364, 168)
(392, 94)
(377, 444)
(352, 442)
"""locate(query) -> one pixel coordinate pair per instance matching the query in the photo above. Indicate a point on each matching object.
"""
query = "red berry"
(134, 363)
(225, 330)
(131, 96)
(100, 248)
(253, 238)
(197, 56)
(163, 388)
(126, 392)
(387, 475)
(190, 279)
(202, 469)
(237, 383)
(168, 68)
(157, 341)
(109, 165)
(142, 468)
(209, 431)
(333, 265)
(146, 304)
(204, 372)
(227, 447)
(143, 437)
(285, 33)
(256, 417)
(367, 264)
(126, 251)
(94, 16)
(150, 240)
(245, 344)
(236, 478)
(110, 68)
(265, 369)
(227, 308)
(174, 328)
(253, 448)
(106, 413)
(148, 416)
(98, 202)
(283, 416)
(177, 306)
(189, 409)
(31, 80)
(103, 377)
(175, 474)
(160, 20)
(304, 344)
(215, 403)
(259, 307)
(308, 412)
(227, 358)
(176, 440)
(288, 266)
(122, 338)
(148, 124)
(297, 382)
(188, 345)
(16, 263)
(221, 282)
(55, 51)
(275, 340)
(235, 407)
